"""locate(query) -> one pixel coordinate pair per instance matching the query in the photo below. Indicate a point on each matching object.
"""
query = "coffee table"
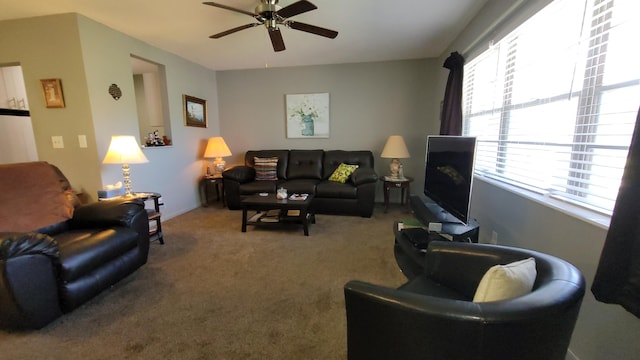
(286, 211)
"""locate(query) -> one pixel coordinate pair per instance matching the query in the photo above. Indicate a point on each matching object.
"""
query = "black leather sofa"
(308, 171)
(54, 269)
(433, 316)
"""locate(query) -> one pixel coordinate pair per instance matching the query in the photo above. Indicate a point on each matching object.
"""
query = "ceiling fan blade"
(229, 8)
(231, 31)
(276, 40)
(312, 29)
(296, 8)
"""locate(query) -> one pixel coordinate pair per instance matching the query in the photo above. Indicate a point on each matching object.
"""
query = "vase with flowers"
(306, 114)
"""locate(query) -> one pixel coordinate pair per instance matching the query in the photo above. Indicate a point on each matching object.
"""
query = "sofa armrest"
(240, 173)
(28, 287)
(116, 212)
(13, 244)
(364, 176)
(124, 212)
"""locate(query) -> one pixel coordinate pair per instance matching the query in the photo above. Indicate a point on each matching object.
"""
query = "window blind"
(553, 104)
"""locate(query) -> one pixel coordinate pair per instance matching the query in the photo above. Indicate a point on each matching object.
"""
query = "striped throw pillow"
(266, 168)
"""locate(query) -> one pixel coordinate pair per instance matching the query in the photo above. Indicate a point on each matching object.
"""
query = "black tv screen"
(449, 174)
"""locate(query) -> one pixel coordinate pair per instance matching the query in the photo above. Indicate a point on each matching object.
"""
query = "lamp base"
(218, 166)
(394, 168)
(126, 174)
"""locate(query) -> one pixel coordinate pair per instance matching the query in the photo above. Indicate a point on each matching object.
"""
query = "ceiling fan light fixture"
(271, 24)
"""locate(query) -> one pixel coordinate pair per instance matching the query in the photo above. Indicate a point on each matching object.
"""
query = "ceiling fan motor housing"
(267, 11)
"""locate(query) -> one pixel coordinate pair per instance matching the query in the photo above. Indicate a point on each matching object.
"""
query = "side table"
(209, 181)
(155, 233)
(404, 184)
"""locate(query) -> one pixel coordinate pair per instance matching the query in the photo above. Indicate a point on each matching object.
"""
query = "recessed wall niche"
(150, 87)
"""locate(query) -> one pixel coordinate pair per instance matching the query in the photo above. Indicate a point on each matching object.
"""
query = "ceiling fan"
(269, 14)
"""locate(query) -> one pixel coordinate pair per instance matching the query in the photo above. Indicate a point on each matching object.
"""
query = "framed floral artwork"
(195, 111)
(307, 115)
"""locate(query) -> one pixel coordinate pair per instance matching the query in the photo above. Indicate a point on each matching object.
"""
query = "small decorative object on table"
(281, 194)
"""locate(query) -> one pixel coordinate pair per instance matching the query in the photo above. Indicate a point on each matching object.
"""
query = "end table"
(209, 181)
(404, 184)
(155, 233)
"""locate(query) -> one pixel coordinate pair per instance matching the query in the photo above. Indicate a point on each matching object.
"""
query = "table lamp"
(395, 149)
(217, 148)
(124, 150)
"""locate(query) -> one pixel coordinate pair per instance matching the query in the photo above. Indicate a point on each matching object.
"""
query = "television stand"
(409, 250)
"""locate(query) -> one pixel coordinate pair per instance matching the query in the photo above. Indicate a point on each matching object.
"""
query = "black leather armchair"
(433, 316)
(53, 271)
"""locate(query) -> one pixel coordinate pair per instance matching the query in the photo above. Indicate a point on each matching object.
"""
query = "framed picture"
(52, 90)
(195, 111)
(307, 115)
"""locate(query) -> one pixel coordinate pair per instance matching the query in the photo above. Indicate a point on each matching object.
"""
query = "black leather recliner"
(433, 316)
(55, 269)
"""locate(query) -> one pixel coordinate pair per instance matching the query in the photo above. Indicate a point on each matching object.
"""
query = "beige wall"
(368, 102)
(602, 331)
(89, 57)
(49, 47)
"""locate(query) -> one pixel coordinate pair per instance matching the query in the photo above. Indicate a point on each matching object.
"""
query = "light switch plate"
(82, 141)
(57, 142)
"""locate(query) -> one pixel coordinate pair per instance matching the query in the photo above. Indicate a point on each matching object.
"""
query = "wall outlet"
(494, 238)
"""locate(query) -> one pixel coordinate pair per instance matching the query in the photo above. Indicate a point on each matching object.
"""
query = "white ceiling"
(369, 30)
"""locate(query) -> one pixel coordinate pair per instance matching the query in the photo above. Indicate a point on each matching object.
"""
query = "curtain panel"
(451, 117)
(617, 279)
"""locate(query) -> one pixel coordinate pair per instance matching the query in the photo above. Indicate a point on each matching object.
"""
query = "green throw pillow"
(342, 173)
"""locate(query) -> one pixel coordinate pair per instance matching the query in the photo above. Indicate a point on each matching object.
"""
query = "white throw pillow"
(502, 282)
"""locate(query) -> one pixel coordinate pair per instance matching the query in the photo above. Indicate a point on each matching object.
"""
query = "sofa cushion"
(82, 251)
(333, 189)
(300, 186)
(503, 282)
(266, 168)
(305, 164)
(342, 173)
(333, 159)
(255, 187)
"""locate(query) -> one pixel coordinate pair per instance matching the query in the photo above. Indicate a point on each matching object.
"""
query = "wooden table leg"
(385, 189)
(244, 219)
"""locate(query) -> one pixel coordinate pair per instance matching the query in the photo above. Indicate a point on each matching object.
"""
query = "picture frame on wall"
(307, 115)
(52, 91)
(195, 111)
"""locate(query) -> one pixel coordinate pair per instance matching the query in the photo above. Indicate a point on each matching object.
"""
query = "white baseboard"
(571, 355)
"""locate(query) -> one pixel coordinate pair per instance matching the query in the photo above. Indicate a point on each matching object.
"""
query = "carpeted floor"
(213, 292)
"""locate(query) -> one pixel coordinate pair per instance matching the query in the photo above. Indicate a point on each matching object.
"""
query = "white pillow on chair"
(503, 282)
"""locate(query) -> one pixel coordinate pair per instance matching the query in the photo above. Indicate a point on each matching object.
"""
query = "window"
(553, 104)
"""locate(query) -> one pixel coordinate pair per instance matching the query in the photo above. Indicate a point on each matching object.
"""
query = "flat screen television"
(448, 176)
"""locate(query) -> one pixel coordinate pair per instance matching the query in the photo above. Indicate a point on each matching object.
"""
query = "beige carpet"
(213, 292)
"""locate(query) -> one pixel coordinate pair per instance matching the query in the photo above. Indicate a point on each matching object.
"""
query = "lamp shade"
(216, 148)
(124, 149)
(395, 148)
